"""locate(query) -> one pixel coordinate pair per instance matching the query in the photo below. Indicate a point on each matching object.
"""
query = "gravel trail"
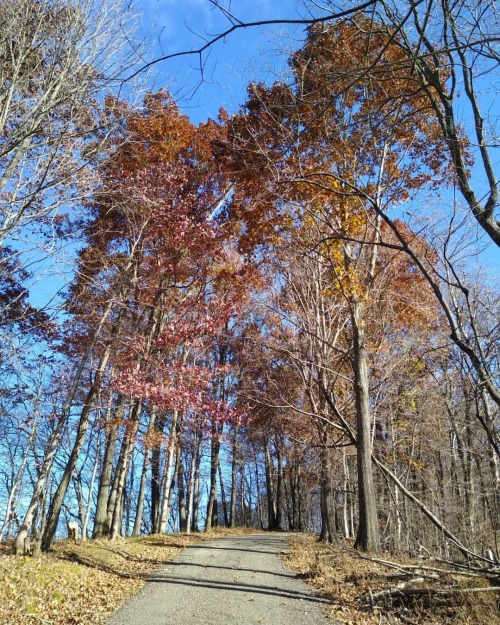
(226, 581)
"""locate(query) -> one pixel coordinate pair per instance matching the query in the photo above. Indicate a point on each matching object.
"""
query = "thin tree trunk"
(156, 490)
(234, 478)
(22, 538)
(102, 522)
(178, 460)
(118, 491)
(165, 505)
(58, 498)
(259, 496)
(214, 466)
(196, 483)
(367, 538)
(223, 498)
(181, 491)
(328, 533)
(271, 510)
(142, 486)
(16, 482)
(190, 487)
(280, 498)
(86, 516)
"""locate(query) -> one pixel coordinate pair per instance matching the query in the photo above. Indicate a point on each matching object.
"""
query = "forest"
(285, 317)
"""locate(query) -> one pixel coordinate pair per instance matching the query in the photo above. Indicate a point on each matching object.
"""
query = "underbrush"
(370, 590)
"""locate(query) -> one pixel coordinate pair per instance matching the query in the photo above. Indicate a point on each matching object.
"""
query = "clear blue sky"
(172, 26)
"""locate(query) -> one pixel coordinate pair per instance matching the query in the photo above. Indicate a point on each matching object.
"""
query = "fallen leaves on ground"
(82, 583)
(347, 579)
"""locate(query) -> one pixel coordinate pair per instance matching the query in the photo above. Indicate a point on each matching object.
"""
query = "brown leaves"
(80, 583)
(338, 573)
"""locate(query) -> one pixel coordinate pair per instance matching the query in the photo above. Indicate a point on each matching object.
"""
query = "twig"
(44, 620)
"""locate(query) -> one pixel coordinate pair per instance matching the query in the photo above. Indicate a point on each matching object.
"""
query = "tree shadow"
(235, 569)
(296, 595)
(71, 556)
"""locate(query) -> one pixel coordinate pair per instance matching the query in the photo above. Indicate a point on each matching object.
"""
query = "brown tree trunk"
(142, 485)
(280, 491)
(196, 483)
(214, 467)
(234, 478)
(368, 537)
(22, 539)
(181, 490)
(115, 509)
(223, 498)
(271, 509)
(52, 518)
(328, 532)
(101, 523)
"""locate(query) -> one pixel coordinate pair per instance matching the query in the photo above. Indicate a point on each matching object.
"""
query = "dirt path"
(229, 581)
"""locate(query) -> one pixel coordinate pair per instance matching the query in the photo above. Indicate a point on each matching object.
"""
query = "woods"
(279, 318)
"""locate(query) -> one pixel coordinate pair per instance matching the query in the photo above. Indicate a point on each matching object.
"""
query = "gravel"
(226, 581)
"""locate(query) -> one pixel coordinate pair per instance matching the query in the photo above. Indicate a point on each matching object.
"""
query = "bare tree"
(58, 58)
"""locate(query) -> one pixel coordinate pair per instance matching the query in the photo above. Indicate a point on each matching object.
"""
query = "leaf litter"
(371, 590)
(80, 583)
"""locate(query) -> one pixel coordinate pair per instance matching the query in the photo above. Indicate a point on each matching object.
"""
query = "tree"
(154, 283)
(57, 61)
(327, 142)
(450, 48)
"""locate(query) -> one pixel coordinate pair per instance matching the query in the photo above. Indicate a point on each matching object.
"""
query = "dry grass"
(82, 583)
(339, 574)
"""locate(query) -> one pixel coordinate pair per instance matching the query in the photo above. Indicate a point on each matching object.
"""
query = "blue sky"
(172, 26)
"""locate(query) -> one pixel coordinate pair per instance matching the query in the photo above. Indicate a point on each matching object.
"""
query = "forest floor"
(85, 582)
(392, 590)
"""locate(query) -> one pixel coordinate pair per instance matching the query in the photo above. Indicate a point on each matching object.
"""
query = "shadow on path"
(235, 569)
(236, 587)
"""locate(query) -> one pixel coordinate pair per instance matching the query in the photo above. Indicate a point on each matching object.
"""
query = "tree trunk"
(86, 517)
(181, 492)
(280, 494)
(196, 483)
(214, 466)
(58, 498)
(328, 532)
(101, 522)
(142, 485)
(167, 478)
(271, 510)
(223, 498)
(115, 509)
(22, 538)
(234, 478)
(367, 538)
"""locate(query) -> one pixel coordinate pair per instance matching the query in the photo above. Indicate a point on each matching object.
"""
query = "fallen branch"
(402, 591)
(43, 620)
(406, 569)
